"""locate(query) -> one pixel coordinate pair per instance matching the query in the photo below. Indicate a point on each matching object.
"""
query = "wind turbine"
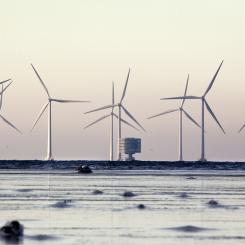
(204, 104)
(120, 108)
(49, 104)
(1, 103)
(112, 115)
(181, 111)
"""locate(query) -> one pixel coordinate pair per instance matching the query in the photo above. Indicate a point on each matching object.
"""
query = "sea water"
(60, 207)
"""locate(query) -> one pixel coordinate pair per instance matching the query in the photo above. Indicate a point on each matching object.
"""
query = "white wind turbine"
(181, 111)
(112, 115)
(120, 107)
(50, 100)
(1, 103)
(204, 104)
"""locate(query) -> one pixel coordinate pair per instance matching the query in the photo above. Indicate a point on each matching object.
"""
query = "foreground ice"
(60, 207)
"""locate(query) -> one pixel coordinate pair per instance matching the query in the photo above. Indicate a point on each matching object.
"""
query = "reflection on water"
(167, 207)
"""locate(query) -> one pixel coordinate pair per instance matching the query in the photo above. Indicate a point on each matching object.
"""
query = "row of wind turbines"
(121, 108)
(181, 111)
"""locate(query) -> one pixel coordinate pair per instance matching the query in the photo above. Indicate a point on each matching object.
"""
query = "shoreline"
(120, 165)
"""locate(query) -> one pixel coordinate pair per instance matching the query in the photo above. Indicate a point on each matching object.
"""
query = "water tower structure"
(130, 146)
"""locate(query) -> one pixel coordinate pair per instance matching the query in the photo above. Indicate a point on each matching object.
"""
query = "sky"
(80, 47)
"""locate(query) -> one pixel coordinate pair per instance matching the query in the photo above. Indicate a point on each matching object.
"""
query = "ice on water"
(60, 207)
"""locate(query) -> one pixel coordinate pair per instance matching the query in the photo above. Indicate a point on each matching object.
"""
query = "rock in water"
(128, 194)
(188, 228)
(84, 169)
(62, 204)
(213, 203)
(190, 177)
(183, 195)
(97, 192)
(141, 206)
(12, 230)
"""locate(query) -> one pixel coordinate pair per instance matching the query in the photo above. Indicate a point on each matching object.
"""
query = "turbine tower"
(1, 103)
(112, 115)
(49, 104)
(181, 111)
(120, 108)
(204, 104)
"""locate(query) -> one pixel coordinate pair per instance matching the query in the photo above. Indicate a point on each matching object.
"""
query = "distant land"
(120, 165)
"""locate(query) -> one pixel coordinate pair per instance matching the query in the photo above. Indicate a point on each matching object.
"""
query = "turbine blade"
(191, 118)
(125, 87)
(69, 101)
(113, 96)
(10, 124)
(212, 114)
(5, 88)
(186, 87)
(100, 108)
(127, 123)
(163, 113)
(41, 81)
(212, 82)
(1, 99)
(243, 126)
(5, 81)
(131, 116)
(189, 97)
(39, 115)
(101, 118)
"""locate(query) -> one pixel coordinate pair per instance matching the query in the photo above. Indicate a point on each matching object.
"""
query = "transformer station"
(130, 146)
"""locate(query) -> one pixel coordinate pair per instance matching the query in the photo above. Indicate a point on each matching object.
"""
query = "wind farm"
(204, 104)
(122, 122)
(134, 124)
(112, 115)
(120, 108)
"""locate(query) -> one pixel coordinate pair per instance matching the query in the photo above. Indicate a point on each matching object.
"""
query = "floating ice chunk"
(97, 192)
(188, 228)
(62, 204)
(128, 194)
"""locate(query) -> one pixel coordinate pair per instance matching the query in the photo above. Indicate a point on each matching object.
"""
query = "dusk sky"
(80, 47)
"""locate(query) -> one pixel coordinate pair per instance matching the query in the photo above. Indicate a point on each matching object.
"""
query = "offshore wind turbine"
(49, 104)
(120, 108)
(1, 103)
(181, 111)
(204, 104)
(112, 115)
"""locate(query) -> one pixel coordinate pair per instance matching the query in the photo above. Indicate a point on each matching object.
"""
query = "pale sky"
(80, 47)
